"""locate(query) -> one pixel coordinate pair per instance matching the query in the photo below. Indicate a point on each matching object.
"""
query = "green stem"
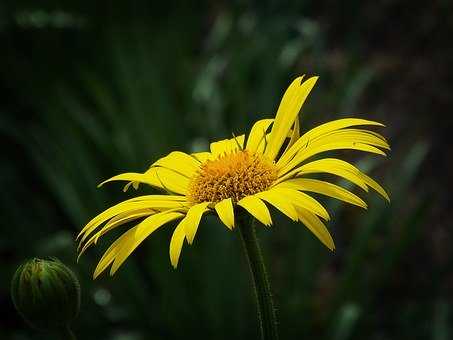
(65, 333)
(265, 305)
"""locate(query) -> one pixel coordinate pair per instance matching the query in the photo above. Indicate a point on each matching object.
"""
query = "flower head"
(234, 175)
(269, 167)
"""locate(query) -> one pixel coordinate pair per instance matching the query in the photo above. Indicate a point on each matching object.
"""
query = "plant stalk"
(65, 333)
(262, 291)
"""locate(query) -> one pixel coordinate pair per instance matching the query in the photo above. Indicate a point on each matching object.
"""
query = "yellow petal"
(323, 188)
(121, 219)
(192, 220)
(257, 135)
(227, 146)
(111, 252)
(320, 131)
(339, 124)
(300, 199)
(218, 148)
(355, 175)
(150, 224)
(202, 156)
(112, 224)
(176, 243)
(288, 110)
(179, 162)
(162, 205)
(295, 135)
(155, 205)
(360, 135)
(315, 225)
(237, 143)
(333, 166)
(353, 135)
(340, 168)
(375, 186)
(168, 180)
(345, 145)
(142, 231)
(128, 185)
(279, 201)
(175, 198)
(154, 202)
(225, 211)
(128, 176)
(257, 209)
(108, 214)
(158, 177)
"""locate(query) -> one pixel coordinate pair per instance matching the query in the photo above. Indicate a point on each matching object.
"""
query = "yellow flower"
(266, 168)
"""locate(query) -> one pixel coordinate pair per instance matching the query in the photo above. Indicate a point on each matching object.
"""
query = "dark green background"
(90, 89)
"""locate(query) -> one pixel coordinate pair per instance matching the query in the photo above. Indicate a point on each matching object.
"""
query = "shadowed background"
(89, 91)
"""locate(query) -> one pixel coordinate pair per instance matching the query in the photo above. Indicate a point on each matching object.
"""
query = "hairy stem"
(261, 286)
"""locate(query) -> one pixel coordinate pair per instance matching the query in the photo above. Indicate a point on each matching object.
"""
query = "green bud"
(46, 293)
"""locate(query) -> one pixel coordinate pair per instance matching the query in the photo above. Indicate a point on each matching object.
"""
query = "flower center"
(234, 175)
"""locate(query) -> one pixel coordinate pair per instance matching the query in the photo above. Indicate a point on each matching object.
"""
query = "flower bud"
(46, 293)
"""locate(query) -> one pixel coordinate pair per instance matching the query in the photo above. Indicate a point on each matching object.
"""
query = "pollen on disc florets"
(233, 175)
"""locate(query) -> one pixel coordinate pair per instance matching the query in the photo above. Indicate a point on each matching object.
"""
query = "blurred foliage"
(92, 90)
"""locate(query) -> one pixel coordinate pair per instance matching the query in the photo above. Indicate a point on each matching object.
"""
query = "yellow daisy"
(271, 166)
